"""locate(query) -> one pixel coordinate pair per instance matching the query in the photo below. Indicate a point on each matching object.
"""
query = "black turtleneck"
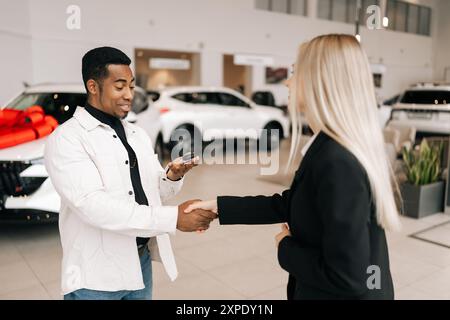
(116, 125)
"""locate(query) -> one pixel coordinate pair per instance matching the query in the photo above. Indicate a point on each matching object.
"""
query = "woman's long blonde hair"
(333, 82)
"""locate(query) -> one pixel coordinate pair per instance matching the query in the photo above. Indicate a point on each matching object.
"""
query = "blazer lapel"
(309, 156)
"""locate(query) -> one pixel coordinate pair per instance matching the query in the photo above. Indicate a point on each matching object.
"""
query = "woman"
(341, 199)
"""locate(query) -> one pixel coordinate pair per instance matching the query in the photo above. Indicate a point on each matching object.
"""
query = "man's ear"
(92, 86)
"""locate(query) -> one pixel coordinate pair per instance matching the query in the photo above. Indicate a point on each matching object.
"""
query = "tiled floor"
(227, 262)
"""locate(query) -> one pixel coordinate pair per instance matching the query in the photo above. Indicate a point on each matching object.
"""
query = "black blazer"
(335, 236)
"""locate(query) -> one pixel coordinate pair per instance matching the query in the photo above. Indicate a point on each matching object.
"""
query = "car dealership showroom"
(225, 150)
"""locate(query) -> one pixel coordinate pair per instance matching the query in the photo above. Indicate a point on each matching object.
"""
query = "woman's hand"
(210, 205)
(284, 233)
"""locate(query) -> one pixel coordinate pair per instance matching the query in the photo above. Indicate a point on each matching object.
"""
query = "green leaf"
(423, 165)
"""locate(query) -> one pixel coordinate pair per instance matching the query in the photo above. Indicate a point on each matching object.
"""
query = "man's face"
(117, 91)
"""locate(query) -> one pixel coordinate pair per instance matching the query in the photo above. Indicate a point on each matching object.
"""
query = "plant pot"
(422, 201)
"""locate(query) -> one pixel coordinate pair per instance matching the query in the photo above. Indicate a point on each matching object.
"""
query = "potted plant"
(423, 191)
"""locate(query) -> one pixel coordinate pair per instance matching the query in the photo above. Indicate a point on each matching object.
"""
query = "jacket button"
(126, 161)
(130, 193)
(114, 136)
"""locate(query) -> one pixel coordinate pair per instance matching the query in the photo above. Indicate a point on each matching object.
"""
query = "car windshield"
(426, 97)
(59, 105)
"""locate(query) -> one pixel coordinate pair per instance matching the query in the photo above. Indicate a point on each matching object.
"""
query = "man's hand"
(284, 233)
(177, 168)
(210, 205)
(196, 220)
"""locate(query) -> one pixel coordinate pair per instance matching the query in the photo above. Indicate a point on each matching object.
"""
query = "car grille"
(12, 184)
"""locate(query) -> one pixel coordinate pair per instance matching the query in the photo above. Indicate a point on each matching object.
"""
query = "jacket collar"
(102, 116)
(308, 145)
(89, 122)
(313, 149)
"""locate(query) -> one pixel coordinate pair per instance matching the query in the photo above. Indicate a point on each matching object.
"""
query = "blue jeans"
(142, 294)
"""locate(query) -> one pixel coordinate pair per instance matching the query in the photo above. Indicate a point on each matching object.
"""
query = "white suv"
(210, 113)
(425, 107)
(26, 193)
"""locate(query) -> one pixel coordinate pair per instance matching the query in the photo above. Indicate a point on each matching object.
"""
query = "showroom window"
(294, 7)
(403, 16)
(400, 16)
(280, 6)
(339, 12)
(407, 17)
(262, 4)
(298, 7)
(324, 9)
(363, 16)
(351, 11)
(390, 13)
(413, 19)
(343, 10)
(424, 21)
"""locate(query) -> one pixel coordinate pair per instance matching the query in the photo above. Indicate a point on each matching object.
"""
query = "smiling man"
(112, 222)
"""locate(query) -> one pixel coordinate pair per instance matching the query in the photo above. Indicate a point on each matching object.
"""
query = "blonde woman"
(333, 244)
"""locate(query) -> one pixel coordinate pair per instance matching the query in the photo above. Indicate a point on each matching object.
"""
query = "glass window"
(351, 11)
(24, 101)
(324, 9)
(363, 16)
(340, 10)
(206, 97)
(280, 6)
(185, 97)
(298, 7)
(227, 99)
(413, 19)
(262, 4)
(198, 97)
(59, 105)
(426, 97)
(424, 21)
(390, 13)
(400, 16)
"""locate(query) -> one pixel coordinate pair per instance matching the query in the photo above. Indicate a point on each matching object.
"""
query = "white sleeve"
(167, 187)
(78, 182)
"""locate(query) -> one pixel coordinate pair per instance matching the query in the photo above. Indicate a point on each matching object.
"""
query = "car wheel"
(270, 138)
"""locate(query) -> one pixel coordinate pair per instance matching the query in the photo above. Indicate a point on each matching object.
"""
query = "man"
(112, 223)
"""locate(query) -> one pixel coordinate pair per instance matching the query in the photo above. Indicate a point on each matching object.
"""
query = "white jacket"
(99, 219)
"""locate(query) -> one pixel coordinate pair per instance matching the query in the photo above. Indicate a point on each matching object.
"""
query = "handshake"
(196, 215)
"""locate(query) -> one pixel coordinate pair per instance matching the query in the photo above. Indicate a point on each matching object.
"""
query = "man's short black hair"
(95, 63)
